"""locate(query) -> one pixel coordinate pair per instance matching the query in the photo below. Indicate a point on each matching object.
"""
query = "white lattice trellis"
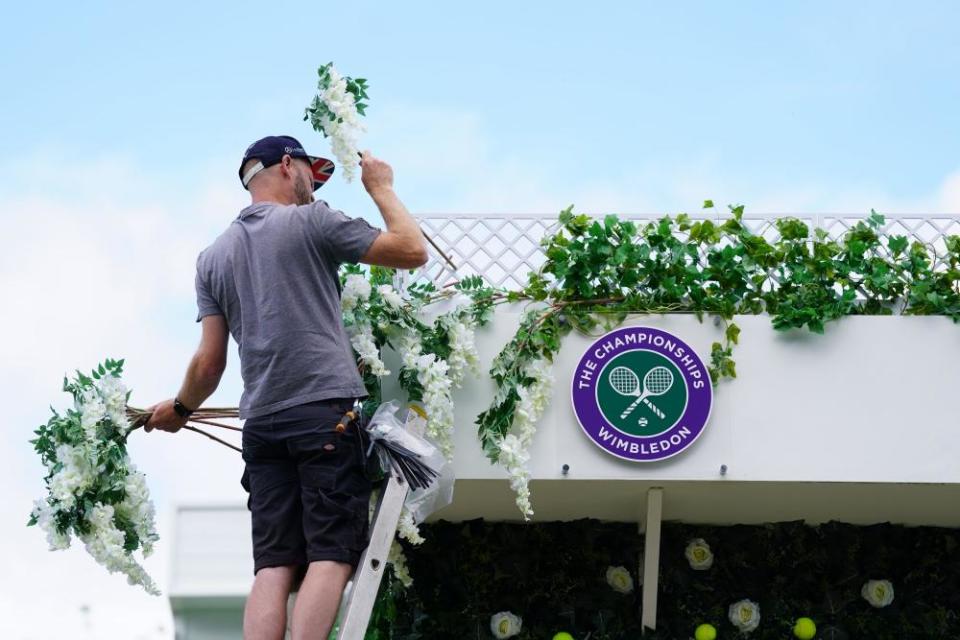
(504, 248)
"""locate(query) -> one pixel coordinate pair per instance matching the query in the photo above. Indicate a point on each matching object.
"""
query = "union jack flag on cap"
(270, 150)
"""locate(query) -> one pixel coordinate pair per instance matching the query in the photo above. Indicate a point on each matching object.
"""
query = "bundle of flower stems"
(401, 459)
(209, 416)
(417, 473)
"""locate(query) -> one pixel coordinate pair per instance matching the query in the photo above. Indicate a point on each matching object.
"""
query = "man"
(271, 280)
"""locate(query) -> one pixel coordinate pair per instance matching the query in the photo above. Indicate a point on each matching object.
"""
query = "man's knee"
(331, 567)
(282, 573)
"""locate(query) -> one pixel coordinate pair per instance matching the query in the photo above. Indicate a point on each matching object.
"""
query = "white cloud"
(445, 163)
(100, 273)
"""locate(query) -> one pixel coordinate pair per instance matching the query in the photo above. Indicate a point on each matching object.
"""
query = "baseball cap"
(270, 150)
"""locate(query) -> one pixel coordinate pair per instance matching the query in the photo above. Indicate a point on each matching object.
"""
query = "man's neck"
(269, 196)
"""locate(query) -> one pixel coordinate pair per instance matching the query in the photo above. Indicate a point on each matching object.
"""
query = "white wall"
(873, 400)
(870, 402)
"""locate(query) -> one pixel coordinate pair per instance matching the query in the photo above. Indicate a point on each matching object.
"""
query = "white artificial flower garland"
(407, 528)
(463, 349)
(334, 112)
(400, 322)
(393, 299)
(432, 374)
(356, 289)
(361, 338)
(515, 447)
(94, 491)
(398, 559)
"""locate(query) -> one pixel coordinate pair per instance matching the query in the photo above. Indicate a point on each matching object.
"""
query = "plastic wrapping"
(399, 443)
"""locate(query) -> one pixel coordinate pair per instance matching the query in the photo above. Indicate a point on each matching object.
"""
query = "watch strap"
(181, 408)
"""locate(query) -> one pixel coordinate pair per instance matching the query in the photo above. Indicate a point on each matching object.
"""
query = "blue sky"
(837, 94)
(123, 124)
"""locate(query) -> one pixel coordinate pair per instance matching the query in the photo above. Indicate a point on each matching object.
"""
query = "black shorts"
(309, 495)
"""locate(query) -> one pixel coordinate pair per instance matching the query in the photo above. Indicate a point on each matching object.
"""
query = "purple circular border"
(695, 417)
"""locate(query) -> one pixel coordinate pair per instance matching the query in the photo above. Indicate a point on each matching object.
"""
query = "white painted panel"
(870, 401)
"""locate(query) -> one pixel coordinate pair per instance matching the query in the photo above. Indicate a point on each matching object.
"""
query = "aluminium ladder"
(356, 610)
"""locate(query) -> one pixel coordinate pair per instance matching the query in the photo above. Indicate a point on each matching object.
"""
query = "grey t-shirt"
(273, 275)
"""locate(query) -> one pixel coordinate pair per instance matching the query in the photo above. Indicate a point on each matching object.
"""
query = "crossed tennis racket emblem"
(656, 382)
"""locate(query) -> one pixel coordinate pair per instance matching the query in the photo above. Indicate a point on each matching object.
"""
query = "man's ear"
(286, 166)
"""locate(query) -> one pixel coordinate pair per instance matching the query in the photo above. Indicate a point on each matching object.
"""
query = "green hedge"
(553, 576)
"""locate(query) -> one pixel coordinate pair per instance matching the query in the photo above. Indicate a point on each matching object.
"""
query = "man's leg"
(265, 616)
(318, 600)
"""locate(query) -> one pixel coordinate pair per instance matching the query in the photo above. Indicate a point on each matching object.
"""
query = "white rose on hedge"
(879, 593)
(505, 624)
(699, 555)
(745, 615)
(619, 579)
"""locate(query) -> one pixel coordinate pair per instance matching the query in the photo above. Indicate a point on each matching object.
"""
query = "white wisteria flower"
(78, 473)
(407, 528)
(356, 288)
(44, 515)
(398, 559)
(94, 491)
(92, 410)
(505, 625)
(745, 615)
(115, 394)
(105, 543)
(437, 389)
(463, 356)
(619, 579)
(514, 448)
(699, 554)
(393, 299)
(361, 338)
(879, 593)
(335, 111)
(514, 458)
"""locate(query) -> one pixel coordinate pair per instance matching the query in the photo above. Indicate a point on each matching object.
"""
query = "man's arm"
(401, 245)
(202, 377)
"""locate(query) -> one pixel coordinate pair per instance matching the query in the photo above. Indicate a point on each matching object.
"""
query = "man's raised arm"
(401, 246)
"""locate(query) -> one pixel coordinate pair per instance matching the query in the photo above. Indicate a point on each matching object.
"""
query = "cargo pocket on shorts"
(317, 457)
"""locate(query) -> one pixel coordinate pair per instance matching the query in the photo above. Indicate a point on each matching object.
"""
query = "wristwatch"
(181, 408)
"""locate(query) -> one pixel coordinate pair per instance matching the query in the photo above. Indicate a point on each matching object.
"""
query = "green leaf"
(733, 333)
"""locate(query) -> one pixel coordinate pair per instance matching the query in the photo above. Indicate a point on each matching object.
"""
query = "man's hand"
(376, 174)
(164, 418)
(401, 245)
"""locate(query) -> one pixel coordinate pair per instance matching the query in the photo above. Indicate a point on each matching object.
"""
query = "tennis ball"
(705, 632)
(804, 629)
(563, 635)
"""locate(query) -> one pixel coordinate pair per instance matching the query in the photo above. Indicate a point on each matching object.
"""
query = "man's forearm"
(200, 382)
(395, 215)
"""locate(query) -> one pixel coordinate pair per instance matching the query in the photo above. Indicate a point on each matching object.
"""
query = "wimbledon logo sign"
(642, 394)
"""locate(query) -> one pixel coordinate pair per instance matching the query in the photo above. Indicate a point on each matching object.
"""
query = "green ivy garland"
(599, 271)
